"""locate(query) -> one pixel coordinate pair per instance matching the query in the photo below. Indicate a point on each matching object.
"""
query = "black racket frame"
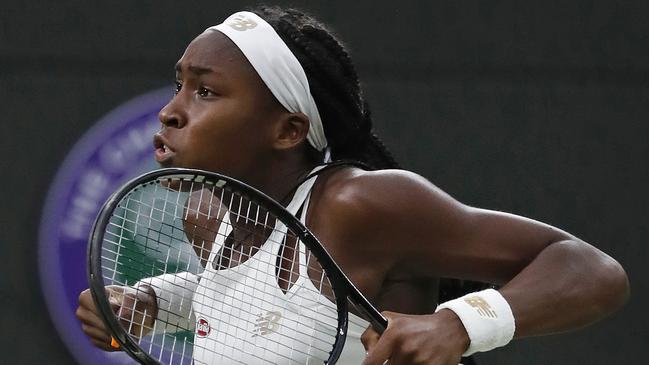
(342, 287)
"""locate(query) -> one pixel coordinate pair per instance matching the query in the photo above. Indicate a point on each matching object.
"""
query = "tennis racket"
(193, 267)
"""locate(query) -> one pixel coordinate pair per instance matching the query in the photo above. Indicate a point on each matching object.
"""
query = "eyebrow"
(197, 70)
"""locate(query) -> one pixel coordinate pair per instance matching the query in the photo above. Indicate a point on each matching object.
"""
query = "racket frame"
(342, 287)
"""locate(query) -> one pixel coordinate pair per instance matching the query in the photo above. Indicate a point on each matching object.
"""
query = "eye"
(177, 87)
(204, 92)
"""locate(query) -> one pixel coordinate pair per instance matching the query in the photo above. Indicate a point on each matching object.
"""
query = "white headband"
(277, 67)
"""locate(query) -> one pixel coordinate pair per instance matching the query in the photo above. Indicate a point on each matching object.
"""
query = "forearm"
(570, 284)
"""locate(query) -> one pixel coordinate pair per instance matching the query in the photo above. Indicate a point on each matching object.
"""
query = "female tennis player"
(269, 107)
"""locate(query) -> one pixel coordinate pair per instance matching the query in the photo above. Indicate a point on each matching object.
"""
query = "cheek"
(221, 137)
(240, 134)
(221, 147)
(230, 137)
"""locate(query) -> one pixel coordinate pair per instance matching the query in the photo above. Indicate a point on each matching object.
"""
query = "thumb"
(115, 298)
(369, 338)
(378, 347)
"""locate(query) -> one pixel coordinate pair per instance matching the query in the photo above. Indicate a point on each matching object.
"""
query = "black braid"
(337, 92)
(334, 85)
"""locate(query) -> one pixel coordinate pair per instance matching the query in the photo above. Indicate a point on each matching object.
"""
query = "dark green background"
(537, 108)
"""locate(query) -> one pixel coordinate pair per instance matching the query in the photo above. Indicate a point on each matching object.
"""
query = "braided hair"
(334, 85)
(337, 92)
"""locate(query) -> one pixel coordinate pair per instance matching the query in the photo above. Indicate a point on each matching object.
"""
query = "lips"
(163, 153)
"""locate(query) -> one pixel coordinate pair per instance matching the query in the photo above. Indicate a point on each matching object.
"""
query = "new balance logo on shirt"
(267, 323)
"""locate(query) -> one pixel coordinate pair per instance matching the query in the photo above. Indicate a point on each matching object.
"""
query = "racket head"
(104, 241)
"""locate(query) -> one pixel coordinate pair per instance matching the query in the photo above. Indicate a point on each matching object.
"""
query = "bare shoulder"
(374, 196)
(387, 208)
(353, 186)
(404, 220)
(364, 217)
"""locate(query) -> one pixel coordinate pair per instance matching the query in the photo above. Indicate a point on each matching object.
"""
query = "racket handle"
(113, 343)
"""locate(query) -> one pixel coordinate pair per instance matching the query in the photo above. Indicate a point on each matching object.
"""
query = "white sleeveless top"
(244, 313)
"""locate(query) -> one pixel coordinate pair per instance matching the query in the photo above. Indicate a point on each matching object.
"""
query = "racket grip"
(113, 343)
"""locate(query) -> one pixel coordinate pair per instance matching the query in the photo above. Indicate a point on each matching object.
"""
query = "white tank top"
(247, 333)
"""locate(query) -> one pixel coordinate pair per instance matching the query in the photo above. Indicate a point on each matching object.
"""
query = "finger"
(369, 338)
(90, 318)
(113, 292)
(379, 346)
(116, 297)
(95, 333)
(122, 305)
(380, 350)
(103, 345)
(133, 319)
(85, 299)
(378, 357)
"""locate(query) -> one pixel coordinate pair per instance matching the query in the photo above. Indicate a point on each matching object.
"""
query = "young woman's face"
(221, 118)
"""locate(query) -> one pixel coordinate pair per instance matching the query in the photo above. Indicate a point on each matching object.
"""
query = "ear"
(290, 131)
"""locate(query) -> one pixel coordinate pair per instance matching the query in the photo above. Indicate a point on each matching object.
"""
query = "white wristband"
(174, 293)
(487, 318)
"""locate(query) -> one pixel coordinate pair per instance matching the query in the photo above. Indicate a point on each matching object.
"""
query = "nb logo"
(241, 23)
(481, 306)
(267, 323)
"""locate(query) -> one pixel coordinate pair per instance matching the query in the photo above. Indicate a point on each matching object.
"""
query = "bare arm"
(586, 285)
(553, 281)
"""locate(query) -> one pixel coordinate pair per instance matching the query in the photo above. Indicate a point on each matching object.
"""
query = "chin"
(166, 164)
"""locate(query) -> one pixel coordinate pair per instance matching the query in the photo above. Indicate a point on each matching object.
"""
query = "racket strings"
(145, 239)
(283, 282)
(259, 308)
(192, 211)
(159, 234)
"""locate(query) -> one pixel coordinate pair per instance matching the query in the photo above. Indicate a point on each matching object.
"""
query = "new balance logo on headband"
(267, 323)
(240, 22)
(278, 68)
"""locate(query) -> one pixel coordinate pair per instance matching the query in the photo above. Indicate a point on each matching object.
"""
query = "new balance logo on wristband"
(481, 306)
(487, 318)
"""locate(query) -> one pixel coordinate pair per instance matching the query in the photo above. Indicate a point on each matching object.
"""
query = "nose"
(171, 115)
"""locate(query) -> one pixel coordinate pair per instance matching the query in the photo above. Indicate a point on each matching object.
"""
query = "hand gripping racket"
(193, 267)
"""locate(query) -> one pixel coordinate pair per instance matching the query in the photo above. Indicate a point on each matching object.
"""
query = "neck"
(282, 174)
